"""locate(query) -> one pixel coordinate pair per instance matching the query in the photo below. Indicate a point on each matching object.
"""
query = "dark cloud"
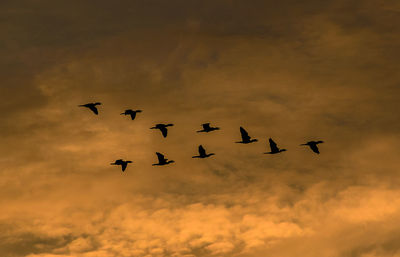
(288, 70)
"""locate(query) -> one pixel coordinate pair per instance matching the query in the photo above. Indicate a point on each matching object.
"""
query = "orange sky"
(294, 71)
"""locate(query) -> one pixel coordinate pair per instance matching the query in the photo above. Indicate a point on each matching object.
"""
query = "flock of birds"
(246, 139)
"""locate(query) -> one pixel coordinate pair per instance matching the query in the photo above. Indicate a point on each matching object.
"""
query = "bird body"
(162, 128)
(162, 160)
(207, 128)
(132, 113)
(202, 153)
(274, 148)
(92, 107)
(246, 139)
(313, 145)
(121, 162)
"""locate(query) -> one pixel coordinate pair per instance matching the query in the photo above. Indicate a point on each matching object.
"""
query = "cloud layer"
(291, 71)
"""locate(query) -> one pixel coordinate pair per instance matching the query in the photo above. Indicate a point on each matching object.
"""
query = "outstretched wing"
(314, 148)
(160, 157)
(94, 109)
(273, 146)
(164, 131)
(206, 126)
(202, 151)
(245, 135)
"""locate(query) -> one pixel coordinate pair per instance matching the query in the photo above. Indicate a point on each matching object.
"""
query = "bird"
(202, 153)
(246, 139)
(274, 148)
(207, 128)
(313, 145)
(122, 163)
(131, 112)
(162, 128)
(162, 160)
(92, 107)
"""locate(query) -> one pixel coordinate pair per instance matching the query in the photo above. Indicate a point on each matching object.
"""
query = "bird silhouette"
(202, 153)
(246, 139)
(92, 107)
(313, 145)
(162, 128)
(132, 113)
(122, 163)
(162, 160)
(207, 128)
(274, 148)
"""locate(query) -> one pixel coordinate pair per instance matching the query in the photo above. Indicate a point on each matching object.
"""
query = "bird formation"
(246, 139)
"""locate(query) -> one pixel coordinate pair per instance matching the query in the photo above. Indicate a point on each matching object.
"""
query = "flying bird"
(92, 107)
(162, 128)
(132, 113)
(274, 148)
(162, 160)
(122, 163)
(246, 139)
(207, 128)
(202, 153)
(313, 145)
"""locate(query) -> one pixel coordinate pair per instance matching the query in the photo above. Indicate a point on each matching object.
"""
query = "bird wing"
(133, 115)
(206, 126)
(273, 146)
(94, 109)
(160, 157)
(123, 165)
(314, 148)
(164, 131)
(202, 151)
(245, 135)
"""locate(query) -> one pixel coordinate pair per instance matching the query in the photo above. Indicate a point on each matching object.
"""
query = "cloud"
(289, 70)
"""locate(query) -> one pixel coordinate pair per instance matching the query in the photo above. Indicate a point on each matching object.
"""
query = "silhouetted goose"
(274, 148)
(122, 163)
(162, 128)
(162, 160)
(202, 153)
(246, 139)
(131, 112)
(91, 106)
(207, 128)
(313, 145)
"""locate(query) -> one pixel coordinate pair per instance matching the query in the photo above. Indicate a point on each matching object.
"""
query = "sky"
(291, 70)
